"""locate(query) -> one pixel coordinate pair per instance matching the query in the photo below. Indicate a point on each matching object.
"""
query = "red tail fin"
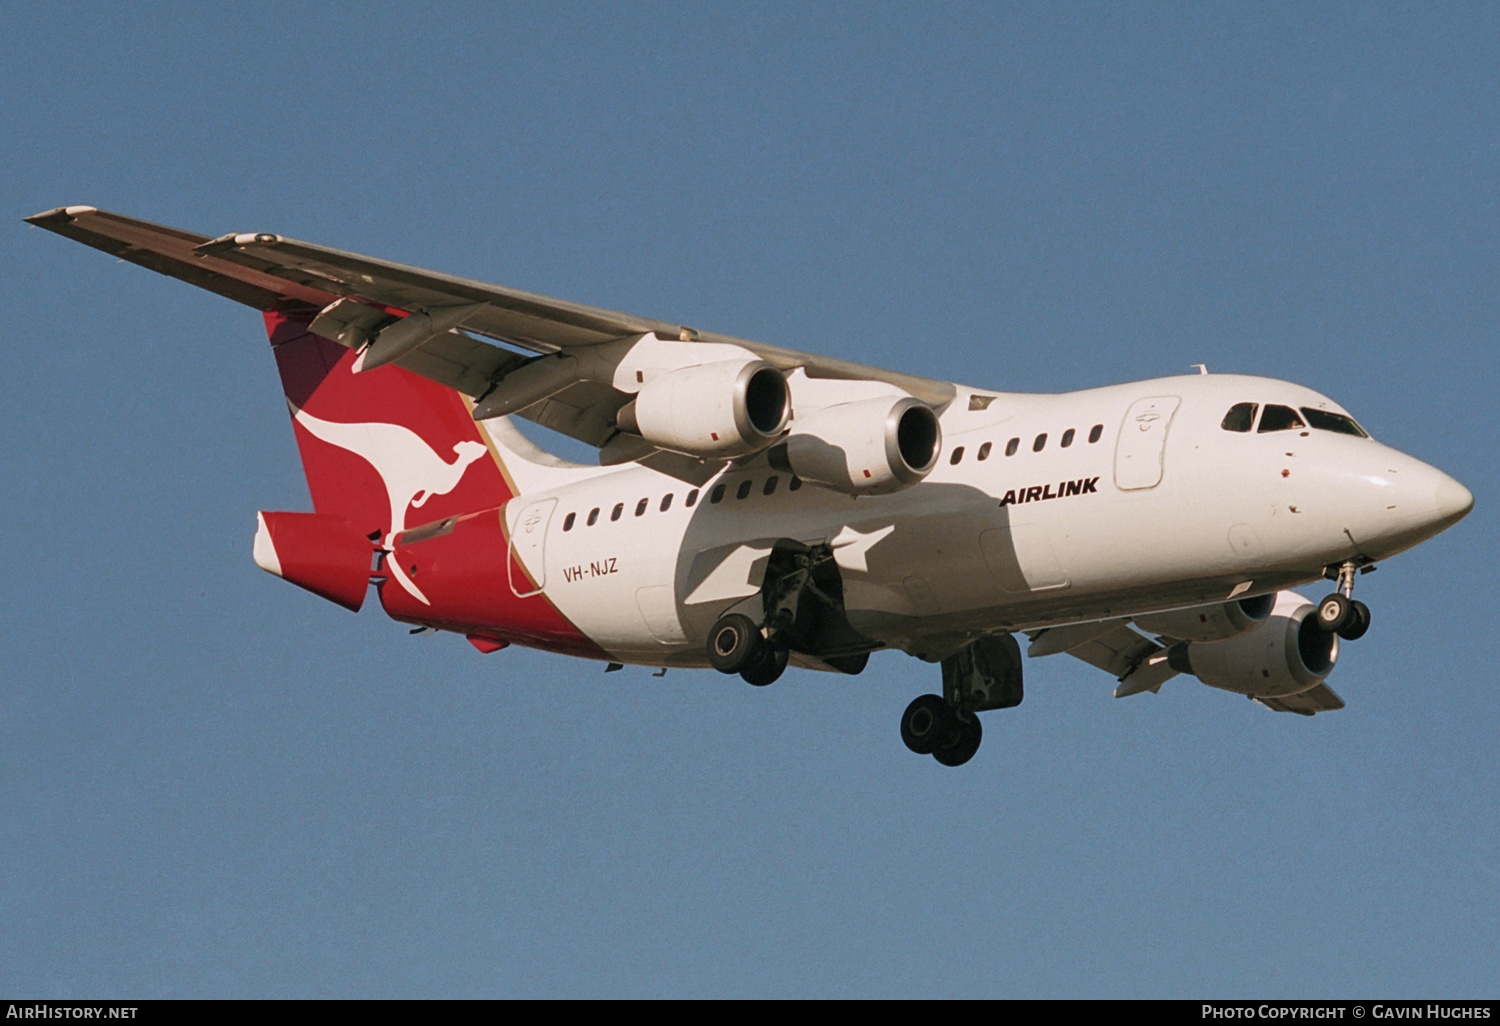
(385, 449)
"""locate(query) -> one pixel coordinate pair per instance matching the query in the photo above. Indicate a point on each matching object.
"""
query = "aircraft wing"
(271, 272)
(1308, 703)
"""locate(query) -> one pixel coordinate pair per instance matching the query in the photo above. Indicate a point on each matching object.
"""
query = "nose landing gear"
(1341, 613)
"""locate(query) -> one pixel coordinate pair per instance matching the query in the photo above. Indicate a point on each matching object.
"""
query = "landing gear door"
(984, 675)
(1143, 442)
(528, 548)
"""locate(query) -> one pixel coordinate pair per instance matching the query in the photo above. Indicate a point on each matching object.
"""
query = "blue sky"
(215, 784)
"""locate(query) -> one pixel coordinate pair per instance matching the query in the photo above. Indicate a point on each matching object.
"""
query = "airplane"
(755, 507)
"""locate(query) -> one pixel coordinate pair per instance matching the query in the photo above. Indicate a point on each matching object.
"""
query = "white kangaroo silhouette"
(411, 470)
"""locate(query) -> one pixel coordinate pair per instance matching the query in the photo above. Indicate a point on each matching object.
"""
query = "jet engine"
(868, 447)
(1287, 654)
(718, 410)
(1217, 622)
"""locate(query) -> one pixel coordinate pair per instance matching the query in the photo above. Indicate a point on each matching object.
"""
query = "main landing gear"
(737, 645)
(984, 675)
(1341, 613)
(930, 726)
(802, 598)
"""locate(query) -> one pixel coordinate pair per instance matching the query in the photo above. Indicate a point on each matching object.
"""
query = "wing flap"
(1117, 652)
(1137, 662)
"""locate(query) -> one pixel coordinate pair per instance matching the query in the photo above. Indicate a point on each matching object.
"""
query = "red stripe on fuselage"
(466, 573)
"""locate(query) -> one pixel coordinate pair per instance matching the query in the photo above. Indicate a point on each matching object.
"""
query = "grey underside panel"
(1309, 702)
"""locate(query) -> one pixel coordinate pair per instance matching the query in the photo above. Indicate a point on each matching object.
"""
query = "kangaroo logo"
(411, 470)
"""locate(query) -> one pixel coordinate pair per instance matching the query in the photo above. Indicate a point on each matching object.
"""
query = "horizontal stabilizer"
(321, 552)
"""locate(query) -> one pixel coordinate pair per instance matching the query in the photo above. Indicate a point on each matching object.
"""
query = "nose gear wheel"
(1341, 613)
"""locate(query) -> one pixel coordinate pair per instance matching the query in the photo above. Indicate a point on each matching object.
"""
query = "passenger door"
(1141, 448)
(528, 544)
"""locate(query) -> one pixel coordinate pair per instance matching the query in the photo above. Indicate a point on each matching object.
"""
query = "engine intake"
(1218, 622)
(868, 447)
(717, 410)
(1285, 655)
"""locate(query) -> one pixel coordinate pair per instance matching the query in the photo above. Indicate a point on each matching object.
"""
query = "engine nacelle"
(864, 448)
(1285, 655)
(1217, 622)
(718, 410)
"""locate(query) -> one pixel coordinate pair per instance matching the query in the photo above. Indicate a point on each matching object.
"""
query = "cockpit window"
(1325, 421)
(1280, 418)
(1240, 417)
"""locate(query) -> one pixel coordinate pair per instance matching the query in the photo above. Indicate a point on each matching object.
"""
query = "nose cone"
(1401, 502)
(1451, 502)
(1429, 502)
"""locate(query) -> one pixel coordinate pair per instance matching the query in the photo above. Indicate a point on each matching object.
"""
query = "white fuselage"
(1150, 505)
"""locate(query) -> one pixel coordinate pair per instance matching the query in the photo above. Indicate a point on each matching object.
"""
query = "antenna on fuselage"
(1202, 368)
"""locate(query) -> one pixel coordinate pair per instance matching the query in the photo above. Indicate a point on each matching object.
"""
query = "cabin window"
(1326, 421)
(666, 502)
(614, 514)
(984, 452)
(1280, 418)
(568, 521)
(692, 498)
(958, 454)
(794, 484)
(770, 485)
(1096, 433)
(717, 495)
(640, 507)
(1011, 446)
(1241, 417)
(593, 516)
(744, 489)
(1067, 438)
(1040, 443)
